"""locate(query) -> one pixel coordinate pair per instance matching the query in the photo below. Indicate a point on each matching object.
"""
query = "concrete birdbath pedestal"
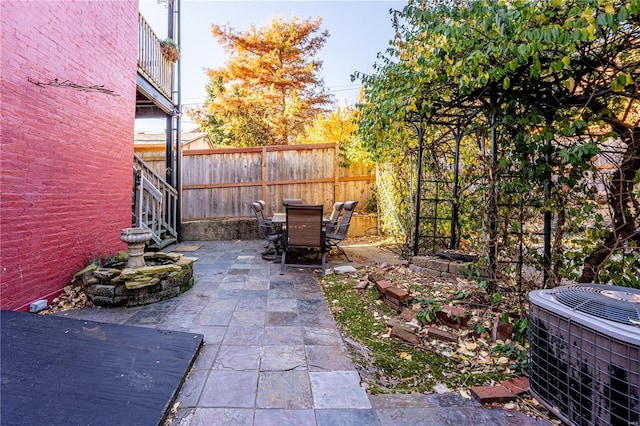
(136, 238)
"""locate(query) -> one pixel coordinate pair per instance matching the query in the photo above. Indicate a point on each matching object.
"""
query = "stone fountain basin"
(165, 275)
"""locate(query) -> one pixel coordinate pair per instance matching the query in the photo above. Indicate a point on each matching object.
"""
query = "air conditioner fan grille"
(602, 301)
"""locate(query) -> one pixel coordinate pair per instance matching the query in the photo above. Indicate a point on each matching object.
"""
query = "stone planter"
(165, 275)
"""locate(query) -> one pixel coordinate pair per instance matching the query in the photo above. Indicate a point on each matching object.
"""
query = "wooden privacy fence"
(221, 183)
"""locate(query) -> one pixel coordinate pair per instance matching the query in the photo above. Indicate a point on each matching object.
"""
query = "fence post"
(263, 164)
(336, 173)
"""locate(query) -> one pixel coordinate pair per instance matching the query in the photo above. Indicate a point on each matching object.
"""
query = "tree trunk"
(621, 199)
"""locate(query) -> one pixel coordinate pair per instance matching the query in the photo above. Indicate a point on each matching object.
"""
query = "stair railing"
(155, 203)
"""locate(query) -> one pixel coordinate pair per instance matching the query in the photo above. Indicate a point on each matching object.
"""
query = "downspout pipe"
(178, 129)
(169, 120)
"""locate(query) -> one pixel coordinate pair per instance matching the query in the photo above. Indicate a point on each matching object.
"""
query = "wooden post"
(263, 163)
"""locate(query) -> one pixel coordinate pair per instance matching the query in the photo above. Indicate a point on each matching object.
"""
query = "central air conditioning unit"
(585, 353)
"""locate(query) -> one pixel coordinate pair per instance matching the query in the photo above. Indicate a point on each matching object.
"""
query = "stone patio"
(272, 354)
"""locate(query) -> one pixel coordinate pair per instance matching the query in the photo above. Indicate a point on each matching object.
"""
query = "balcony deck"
(155, 73)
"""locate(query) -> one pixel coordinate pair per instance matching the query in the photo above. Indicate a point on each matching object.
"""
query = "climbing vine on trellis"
(545, 87)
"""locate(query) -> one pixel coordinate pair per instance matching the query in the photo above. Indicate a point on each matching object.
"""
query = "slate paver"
(251, 318)
(216, 305)
(230, 389)
(450, 400)
(283, 336)
(213, 334)
(206, 357)
(257, 284)
(229, 279)
(411, 417)
(259, 272)
(312, 306)
(323, 319)
(232, 285)
(275, 319)
(277, 417)
(411, 400)
(282, 290)
(192, 388)
(283, 358)
(248, 336)
(321, 336)
(238, 358)
(284, 389)
(217, 416)
(308, 291)
(227, 294)
(338, 389)
(213, 317)
(328, 358)
(347, 417)
(282, 305)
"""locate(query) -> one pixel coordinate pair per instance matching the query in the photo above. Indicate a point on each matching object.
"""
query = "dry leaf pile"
(72, 297)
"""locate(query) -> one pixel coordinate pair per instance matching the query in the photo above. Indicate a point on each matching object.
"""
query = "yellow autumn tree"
(333, 127)
(339, 127)
(269, 88)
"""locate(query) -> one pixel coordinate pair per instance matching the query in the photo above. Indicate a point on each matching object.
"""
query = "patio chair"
(339, 233)
(263, 204)
(304, 237)
(288, 201)
(332, 222)
(269, 232)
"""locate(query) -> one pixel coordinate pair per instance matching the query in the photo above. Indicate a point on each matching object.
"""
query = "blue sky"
(358, 31)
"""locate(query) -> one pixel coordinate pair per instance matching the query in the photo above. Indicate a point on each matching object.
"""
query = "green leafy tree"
(548, 81)
(270, 87)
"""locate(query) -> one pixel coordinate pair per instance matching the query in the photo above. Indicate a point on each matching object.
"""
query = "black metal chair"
(303, 237)
(269, 232)
(263, 204)
(332, 222)
(339, 233)
(288, 201)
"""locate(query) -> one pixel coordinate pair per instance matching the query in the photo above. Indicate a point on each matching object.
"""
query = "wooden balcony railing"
(155, 204)
(151, 64)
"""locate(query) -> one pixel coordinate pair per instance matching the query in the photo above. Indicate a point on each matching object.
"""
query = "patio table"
(280, 219)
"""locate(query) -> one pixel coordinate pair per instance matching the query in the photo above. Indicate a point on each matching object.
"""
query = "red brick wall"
(66, 155)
